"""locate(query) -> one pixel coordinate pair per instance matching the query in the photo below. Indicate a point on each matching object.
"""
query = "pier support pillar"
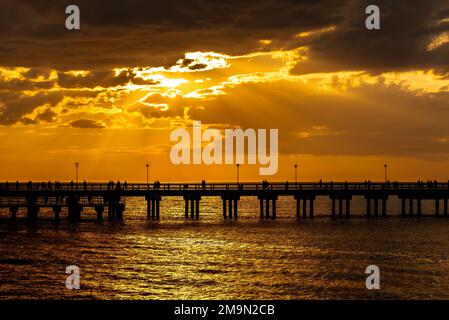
(340, 207)
(32, 208)
(153, 209)
(298, 206)
(230, 208)
(32, 212)
(113, 201)
(111, 211)
(153, 206)
(194, 206)
(197, 209)
(230, 204)
(224, 209)
(267, 212)
(376, 207)
(445, 207)
(116, 208)
(333, 207)
(119, 211)
(348, 208)
(368, 207)
(99, 210)
(13, 210)
(311, 208)
(158, 206)
(304, 208)
(384, 207)
(235, 208)
(57, 211)
(437, 207)
(74, 208)
(75, 212)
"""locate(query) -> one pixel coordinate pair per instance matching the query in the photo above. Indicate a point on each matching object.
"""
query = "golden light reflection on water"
(213, 259)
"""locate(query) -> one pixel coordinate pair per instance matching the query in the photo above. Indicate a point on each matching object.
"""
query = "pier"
(108, 199)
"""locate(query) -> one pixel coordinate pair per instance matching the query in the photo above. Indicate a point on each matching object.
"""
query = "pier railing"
(220, 186)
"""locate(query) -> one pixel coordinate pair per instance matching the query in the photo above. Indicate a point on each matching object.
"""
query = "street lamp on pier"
(238, 177)
(148, 170)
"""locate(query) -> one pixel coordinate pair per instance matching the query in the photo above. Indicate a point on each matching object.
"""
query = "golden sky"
(345, 100)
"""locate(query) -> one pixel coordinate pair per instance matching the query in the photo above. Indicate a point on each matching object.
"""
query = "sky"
(346, 100)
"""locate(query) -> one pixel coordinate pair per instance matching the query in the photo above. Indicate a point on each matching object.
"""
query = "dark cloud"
(48, 116)
(407, 28)
(86, 124)
(102, 78)
(16, 105)
(142, 32)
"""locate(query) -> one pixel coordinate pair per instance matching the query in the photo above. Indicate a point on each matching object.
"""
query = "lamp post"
(385, 172)
(148, 169)
(296, 174)
(76, 170)
(238, 178)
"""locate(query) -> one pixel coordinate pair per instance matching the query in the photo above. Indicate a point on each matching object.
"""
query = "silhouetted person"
(118, 186)
(29, 185)
(17, 185)
(72, 184)
(7, 185)
(125, 185)
(203, 184)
